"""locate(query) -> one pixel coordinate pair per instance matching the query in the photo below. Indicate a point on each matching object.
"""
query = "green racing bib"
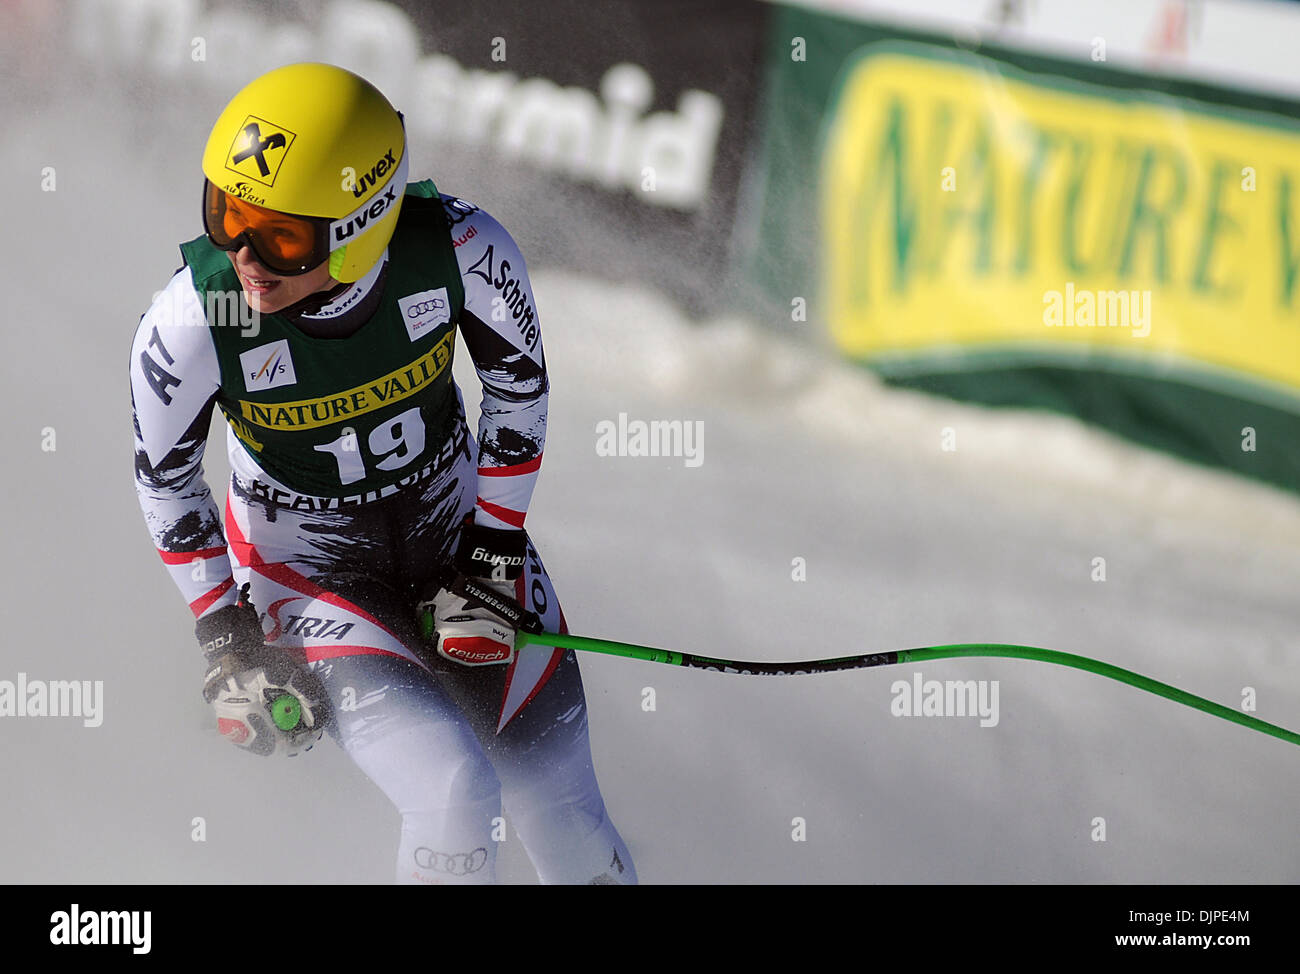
(335, 417)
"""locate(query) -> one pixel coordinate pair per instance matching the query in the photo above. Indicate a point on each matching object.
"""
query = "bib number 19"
(396, 442)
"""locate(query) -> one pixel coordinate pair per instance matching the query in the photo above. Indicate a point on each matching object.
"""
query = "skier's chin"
(266, 293)
(264, 297)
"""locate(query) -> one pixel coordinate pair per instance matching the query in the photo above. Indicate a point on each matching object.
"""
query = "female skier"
(318, 312)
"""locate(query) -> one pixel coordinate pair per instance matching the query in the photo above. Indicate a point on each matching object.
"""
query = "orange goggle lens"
(284, 243)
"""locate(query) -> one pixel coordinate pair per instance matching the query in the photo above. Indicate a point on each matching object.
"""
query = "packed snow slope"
(904, 544)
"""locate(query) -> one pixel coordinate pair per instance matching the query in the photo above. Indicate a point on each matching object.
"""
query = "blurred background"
(989, 313)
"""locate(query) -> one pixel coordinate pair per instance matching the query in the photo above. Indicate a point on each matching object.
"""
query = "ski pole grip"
(483, 597)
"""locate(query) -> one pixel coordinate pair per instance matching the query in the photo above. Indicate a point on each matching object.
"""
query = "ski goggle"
(284, 243)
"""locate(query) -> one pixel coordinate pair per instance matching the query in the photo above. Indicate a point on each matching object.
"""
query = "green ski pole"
(611, 647)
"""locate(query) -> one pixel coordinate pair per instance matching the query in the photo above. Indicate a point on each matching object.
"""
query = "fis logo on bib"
(424, 311)
(267, 366)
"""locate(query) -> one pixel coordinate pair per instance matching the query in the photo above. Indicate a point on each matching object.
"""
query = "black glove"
(266, 702)
(470, 613)
(232, 641)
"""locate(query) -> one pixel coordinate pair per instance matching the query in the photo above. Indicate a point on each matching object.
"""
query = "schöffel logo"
(514, 294)
(268, 366)
(259, 149)
(424, 311)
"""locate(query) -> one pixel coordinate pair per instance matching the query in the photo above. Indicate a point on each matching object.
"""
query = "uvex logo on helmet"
(357, 221)
(376, 173)
(373, 210)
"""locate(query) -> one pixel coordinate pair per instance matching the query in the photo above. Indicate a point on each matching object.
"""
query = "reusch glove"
(472, 616)
(265, 701)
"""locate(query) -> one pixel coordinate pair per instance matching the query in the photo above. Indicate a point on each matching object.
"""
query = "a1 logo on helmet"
(259, 149)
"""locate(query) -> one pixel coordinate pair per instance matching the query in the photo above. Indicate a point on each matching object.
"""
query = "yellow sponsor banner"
(969, 209)
(326, 410)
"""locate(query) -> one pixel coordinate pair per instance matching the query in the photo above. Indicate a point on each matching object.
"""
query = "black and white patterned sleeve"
(174, 379)
(501, 331)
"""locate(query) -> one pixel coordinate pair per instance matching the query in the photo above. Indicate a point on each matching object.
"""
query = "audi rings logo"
(424, 311)
(424, 307)
(453, 863)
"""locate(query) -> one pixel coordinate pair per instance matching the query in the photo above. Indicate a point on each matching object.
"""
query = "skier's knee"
(429, 767)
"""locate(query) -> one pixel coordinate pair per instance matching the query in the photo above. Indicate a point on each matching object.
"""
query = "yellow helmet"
(313, 141)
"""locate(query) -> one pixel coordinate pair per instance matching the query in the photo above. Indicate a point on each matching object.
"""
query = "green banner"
(1019, 230)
